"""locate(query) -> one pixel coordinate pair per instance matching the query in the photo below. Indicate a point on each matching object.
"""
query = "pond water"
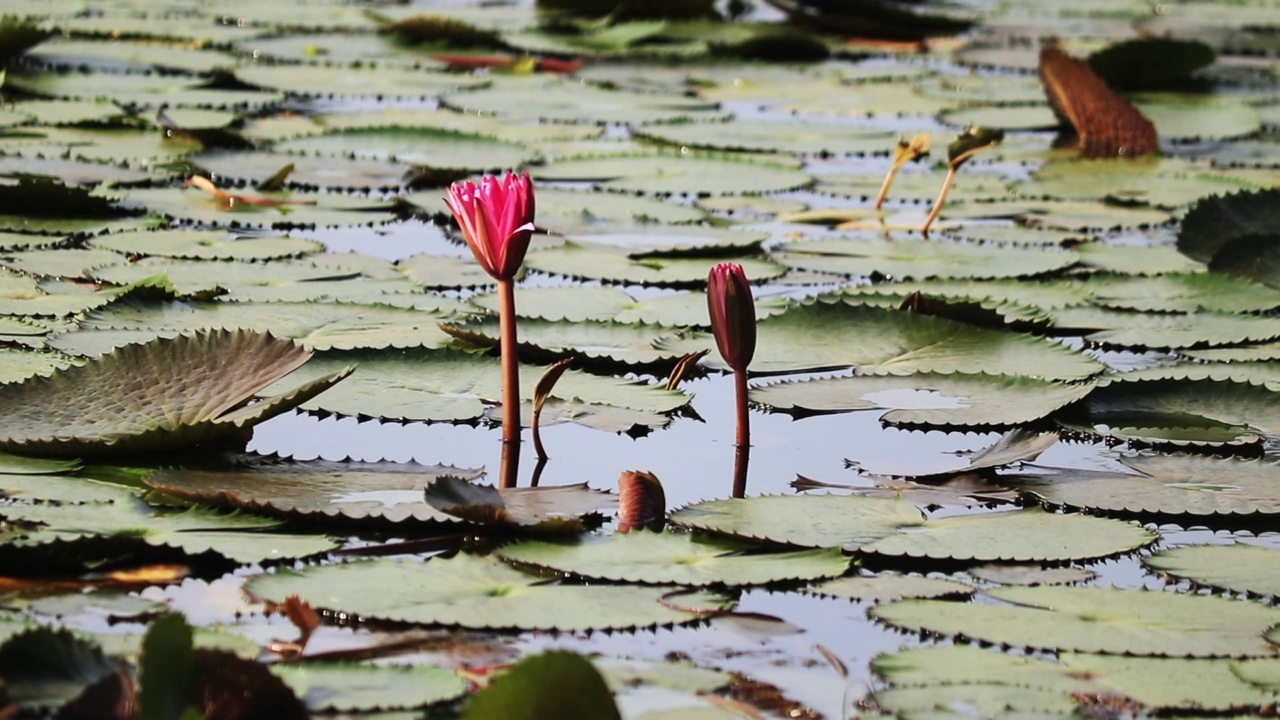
(1068, 333)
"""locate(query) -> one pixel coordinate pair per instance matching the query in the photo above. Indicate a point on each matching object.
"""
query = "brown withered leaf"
(1106, 125)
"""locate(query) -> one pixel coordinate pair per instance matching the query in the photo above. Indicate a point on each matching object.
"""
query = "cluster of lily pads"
(174, 181)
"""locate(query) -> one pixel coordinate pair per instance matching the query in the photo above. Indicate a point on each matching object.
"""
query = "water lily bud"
(496, 217)
(733, 314)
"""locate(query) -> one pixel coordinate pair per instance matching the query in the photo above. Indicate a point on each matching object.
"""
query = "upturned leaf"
(162, 395)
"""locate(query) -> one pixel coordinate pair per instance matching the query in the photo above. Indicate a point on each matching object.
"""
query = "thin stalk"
(510, 361)
(510, 465)
(741, 459)
(888, 181)
(744, 420)
(942, 196)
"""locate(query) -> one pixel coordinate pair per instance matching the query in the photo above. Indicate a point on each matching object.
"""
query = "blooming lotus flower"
(496, 216)
(733, 314)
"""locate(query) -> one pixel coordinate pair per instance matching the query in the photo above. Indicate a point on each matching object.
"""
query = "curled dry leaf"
(541, 392)
(1105, 123)
(641, 502)
(233, 199)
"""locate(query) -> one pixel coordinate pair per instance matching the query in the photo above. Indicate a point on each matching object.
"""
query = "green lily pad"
(1250, 353)
(347, 82)
(424, 146)
(164, 394)
(1178, 485)
(1183, 116)
(565, 101)
(1182, 412)
(913, 260)
(75, 172)
(360, 493)
(895, 528)
(316, 326)
(1239, 568)
(592, 343)
(674, 559)
(454, 387)
(1184, 292)
(1031, 574)
(473, 592)
(127, 56)
(1160, 182)
(617, 266)
(302, 209)
(927, 398)
(802, 138)
(140, 89)
(337, 172)
(890, 586)
(677, 174)
(553, 684)
(1036, 116)
(194, 531)
(567, 212)
(664, 241)
(1096, 619)
(338, 48)
(1192, 330)
(353, 687)
(206, 245)
(1142, 260)
(920, 186)
(882, 341)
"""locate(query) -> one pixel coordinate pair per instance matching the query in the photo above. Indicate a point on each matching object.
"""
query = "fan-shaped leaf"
(351, 687)
(161, 395)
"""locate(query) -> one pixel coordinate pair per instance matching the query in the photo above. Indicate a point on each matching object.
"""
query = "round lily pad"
(473, 592)
(617, 265)
(352, 687)
(1238, 568)
(677, 174)
(1096, 619)
(804, 138)
(338, 81)
(206, 245)
(891, 586)
(674, 559)
(919, 260)
(564, 101)
(414, 146)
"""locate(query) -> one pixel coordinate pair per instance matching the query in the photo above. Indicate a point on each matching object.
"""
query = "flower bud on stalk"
(496, 217)
(733, 322)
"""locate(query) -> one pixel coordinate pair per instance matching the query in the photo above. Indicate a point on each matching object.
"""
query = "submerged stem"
(510, 361)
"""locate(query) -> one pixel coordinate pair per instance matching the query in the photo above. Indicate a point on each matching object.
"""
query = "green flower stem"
(510, 361)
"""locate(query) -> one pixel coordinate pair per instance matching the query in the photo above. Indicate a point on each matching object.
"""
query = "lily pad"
(413, 146)
(454, 387)
(337, 82)
(617, 266)
(1176, 485)
(1183, 116)
(564, 101)
(161, 395)
(473, 592)
(1239, 568)
(927, 398)
(206, 245)
(1142, 260)
(1184, 292)
(341, 173)
(920, 260)
(1160, 182)
(1192, 330)
(820, 335)
(592, 343)
(300, 209)
(896, 528)
(677, 174)
(352, 687)
(890, 586)
(1096, 619)
(803, 138)
(674, 559)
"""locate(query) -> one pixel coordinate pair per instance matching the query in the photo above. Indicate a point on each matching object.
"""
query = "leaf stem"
(942, 196)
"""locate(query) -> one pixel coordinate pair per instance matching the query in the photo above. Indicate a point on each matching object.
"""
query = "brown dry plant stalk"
(1106, 125)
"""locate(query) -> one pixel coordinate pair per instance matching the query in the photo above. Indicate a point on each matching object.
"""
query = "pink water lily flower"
(733, 314)
(496, 216)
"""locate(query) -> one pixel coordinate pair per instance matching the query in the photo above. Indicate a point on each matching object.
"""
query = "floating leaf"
(206, 245)
(822, 335)
(804, 138)
(591, 343)
(674, 559)
(1160, 182)
(565, 101)
(551, 509)
(414, 146)
(470, 591)
(1179, 485)
(1150, 63)
(335, 81)
(46, 667)
(920, 260)
(927, 398)
(676, 174)
(162, 395)
(1136, 259)
(890, 586)
(454, 387)
(617, 266)
(1184, 292)
(1097, 619)
(1118, 328)
(895, 528)
(1239, 568)
(351, 687)
(1031, 575)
